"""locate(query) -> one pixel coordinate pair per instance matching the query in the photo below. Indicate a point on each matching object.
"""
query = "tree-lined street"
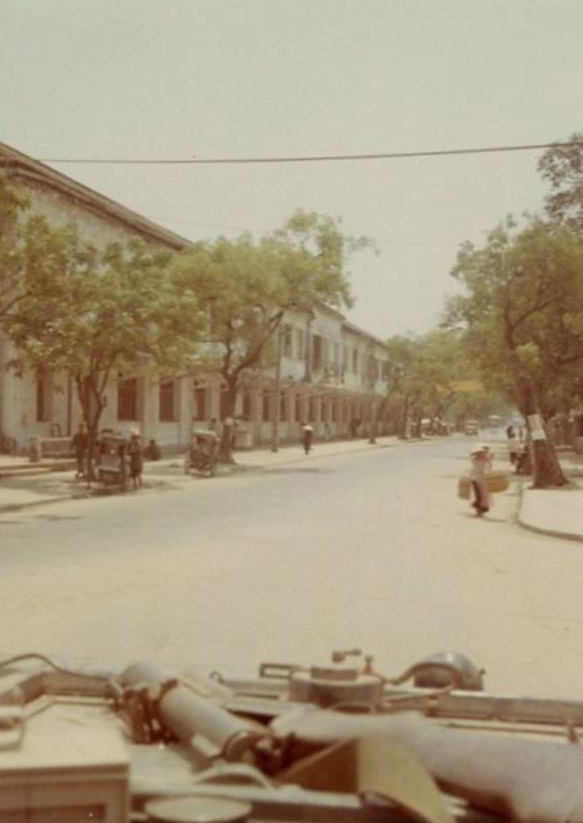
(369, 549)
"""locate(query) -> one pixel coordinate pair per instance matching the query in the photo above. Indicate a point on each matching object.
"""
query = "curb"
(577, 538)
(16, 507)
(300, 457)
(365, 447)
(560, 535)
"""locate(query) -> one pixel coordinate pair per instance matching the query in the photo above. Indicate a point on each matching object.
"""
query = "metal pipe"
(196, 720)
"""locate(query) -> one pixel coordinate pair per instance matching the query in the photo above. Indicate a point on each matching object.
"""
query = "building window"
(43, 396)
(247, 405)
(167, 401)
(266, 406)
(355, 361)
(298, 409)
(283, 407)
(300, 344)
(127, 399)
(287, 341)
(200, 402)
(224, 412)
(312, 410)
(317, 360)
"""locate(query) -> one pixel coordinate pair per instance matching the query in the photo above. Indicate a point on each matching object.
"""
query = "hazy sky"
(223, 78)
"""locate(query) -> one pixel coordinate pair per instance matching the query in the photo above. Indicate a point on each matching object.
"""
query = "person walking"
(481, 462)
(136, 460)
(513, 447)
(307, 436)
(79, 444)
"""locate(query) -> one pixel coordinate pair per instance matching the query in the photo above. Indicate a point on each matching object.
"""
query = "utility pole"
(277, 393)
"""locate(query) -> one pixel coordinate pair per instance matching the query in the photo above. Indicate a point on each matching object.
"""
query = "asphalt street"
(371, 549)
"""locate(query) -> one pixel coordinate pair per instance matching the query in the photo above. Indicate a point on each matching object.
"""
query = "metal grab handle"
(277, 671)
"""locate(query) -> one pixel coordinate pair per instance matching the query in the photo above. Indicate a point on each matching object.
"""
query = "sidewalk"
(556, 512)
(23, 484)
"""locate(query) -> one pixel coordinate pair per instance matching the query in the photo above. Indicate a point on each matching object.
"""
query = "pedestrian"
(513, 447)
(79, 445)
(481, 462)
(152, 451)
(307, 436)
(521, 433)
(136, 460)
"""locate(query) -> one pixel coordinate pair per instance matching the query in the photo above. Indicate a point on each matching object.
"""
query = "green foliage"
(91, 313)
(247, 286)
(522, 310)
(562, 167)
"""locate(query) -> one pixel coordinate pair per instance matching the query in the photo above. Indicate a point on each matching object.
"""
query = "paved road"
(371, 549)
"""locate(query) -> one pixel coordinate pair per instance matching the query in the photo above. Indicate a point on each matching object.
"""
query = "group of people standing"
(130, 449)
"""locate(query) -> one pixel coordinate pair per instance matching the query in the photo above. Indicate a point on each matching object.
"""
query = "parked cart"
(201, 456)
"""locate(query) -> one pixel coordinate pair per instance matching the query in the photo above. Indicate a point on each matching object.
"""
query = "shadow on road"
(484, 519)
(298, 470)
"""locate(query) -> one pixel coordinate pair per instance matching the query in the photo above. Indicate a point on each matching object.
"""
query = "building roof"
(362, 333)
(20, 166)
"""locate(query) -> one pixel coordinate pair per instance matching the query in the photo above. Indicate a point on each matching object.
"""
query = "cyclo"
(202, 453)
(112, 462)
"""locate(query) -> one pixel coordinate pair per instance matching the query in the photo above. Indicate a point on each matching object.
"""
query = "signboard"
(535, 424)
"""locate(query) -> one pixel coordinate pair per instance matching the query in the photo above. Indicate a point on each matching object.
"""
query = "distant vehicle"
(471, 427)
(494, 421)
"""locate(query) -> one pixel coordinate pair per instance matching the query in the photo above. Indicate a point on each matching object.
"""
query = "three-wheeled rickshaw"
(201, 456)
(111, 464)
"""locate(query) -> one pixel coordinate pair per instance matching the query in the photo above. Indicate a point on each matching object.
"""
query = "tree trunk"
(404, 418)
(91, 408)
(226, 444)
(546, 469)
(373, 422)
(378, 412)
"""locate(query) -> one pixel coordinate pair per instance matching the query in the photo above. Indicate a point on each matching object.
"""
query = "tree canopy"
(246, 287)
(523, 320)
(93, 313)
(561, 167)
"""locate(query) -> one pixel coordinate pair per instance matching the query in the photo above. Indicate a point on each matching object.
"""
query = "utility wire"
(314, 158)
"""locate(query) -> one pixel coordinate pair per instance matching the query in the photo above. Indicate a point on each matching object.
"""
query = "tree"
(423, 375)
(246, 287)
(92, 314)
(562, 167)
(521, 312)
(24, 237)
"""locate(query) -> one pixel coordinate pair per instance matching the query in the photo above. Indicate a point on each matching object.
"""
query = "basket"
(464, 487)
(497, 481)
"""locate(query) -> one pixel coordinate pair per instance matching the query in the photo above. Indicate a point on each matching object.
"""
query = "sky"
(183, 79)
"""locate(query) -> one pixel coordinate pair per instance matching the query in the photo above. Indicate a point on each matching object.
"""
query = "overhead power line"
(308, 158)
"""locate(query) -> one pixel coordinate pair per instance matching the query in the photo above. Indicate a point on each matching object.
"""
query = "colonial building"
(326, 370)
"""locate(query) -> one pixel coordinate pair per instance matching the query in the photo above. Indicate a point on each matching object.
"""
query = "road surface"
(370, 549)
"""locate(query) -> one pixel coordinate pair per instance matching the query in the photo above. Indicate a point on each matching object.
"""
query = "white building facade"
(331, 373)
